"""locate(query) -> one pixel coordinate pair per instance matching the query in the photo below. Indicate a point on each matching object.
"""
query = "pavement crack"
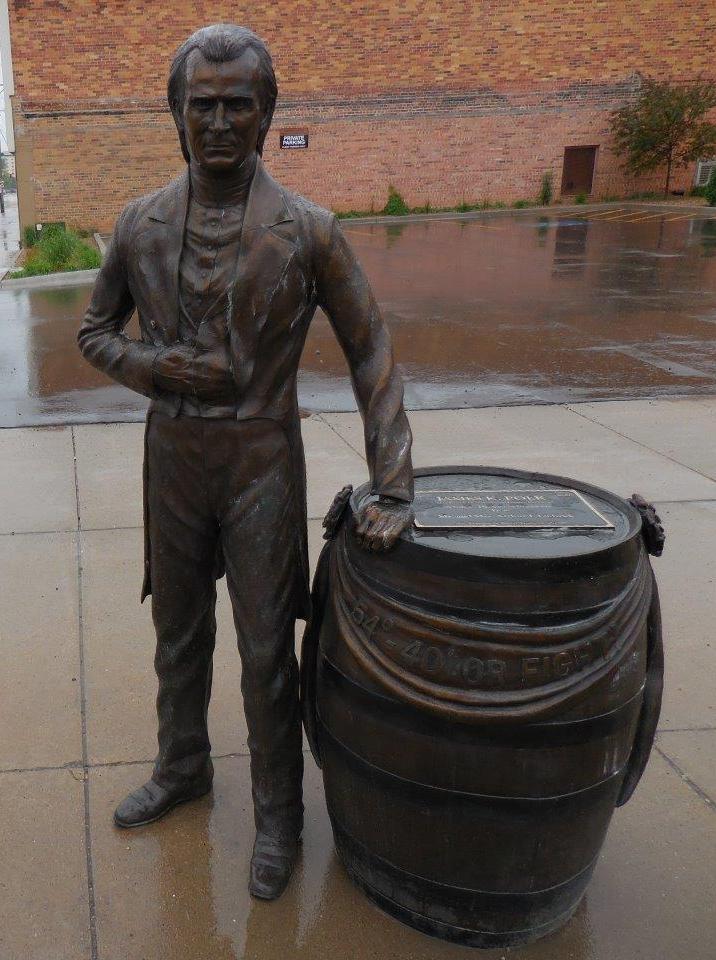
(694, 500)
(705, 729)
(341, 437)
(700, 793)
(91, 897)
(645, 446)
(79, 769)
(53, 768)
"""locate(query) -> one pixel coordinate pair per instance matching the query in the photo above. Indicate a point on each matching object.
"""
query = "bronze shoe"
(272, 864)
(152, 801)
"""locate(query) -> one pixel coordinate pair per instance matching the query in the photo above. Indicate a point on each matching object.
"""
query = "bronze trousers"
(226, 486)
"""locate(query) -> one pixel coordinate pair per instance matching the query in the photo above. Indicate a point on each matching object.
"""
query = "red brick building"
(449, 100)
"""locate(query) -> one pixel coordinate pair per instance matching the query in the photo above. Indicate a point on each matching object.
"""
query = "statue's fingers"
(378, 532)
(361, 523)
(386, 525)
(362, 536)
(365, 518)
(367, 537)
(390, 536)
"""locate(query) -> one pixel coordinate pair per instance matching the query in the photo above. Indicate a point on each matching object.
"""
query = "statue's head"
(222, 94)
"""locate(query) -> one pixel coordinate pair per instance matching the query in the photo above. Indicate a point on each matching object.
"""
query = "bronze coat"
(293, 258)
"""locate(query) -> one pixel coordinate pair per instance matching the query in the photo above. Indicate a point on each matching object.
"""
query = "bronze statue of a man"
(225, 269)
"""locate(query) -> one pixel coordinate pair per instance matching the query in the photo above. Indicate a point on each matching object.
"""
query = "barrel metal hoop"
(464, 936)
(343, 833)
(359, 761)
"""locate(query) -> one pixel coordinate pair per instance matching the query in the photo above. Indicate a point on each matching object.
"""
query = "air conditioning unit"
(704, 169)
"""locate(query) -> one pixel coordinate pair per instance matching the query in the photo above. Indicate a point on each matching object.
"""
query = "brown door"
(578, 170)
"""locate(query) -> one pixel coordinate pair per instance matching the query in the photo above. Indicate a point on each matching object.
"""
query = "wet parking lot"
(512, 308)
(506, 309)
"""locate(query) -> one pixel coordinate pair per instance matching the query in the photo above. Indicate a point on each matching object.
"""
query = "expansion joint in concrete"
(83, 768)
(91, 898)
(361, 453)
(645, 446)
(700, 793)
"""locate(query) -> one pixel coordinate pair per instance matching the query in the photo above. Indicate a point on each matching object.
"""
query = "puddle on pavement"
(178, 888)
(497, 310)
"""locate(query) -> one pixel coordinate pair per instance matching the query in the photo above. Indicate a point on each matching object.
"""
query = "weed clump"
(56, 250)
(546, 190)
(395, 205)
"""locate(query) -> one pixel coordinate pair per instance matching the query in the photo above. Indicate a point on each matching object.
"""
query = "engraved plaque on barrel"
(482, 698)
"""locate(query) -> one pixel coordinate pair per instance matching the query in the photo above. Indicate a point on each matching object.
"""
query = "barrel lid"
(622, 521)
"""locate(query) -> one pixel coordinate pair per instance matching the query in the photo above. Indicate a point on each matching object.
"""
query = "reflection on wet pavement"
(494, 310)
(181, 884)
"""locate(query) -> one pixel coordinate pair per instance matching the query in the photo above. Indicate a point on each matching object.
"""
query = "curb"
(481, 214)
(79, 277)
(554, 210)
(50, 280)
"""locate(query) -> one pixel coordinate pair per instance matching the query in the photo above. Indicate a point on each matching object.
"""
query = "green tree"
(710, 191)
(666, 126)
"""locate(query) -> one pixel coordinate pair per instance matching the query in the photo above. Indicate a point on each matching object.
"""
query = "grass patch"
(646, 195)
(397, 207)
(57, 250)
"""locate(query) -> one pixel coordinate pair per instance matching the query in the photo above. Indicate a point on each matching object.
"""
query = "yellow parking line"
(684, 216)
(602, 213)
(365, 233)
(621, 216)
(487, 226)
(353, 231)
(649, 216)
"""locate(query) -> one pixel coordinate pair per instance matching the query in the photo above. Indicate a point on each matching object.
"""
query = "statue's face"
(222, 111)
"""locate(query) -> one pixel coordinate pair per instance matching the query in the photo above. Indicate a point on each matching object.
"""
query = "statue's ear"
(263, 131)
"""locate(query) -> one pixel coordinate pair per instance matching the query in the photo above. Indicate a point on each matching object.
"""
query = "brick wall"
(449, 101)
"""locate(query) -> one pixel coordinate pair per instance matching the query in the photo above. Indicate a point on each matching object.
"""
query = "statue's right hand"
(172, 368)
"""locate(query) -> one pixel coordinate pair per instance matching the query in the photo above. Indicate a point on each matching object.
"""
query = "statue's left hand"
(379, 524)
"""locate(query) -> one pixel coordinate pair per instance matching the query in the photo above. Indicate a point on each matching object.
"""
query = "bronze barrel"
(480, 700)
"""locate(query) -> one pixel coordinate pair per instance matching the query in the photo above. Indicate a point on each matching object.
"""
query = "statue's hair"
(220, 43)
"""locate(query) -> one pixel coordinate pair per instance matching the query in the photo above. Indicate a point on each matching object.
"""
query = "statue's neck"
(225, 191)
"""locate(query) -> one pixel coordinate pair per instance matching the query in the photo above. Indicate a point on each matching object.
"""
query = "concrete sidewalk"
(77, 709)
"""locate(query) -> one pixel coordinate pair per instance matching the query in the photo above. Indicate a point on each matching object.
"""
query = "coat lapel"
(264, 258)
(171, 209)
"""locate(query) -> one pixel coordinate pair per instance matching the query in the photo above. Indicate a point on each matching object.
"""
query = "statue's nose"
(218, 118)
